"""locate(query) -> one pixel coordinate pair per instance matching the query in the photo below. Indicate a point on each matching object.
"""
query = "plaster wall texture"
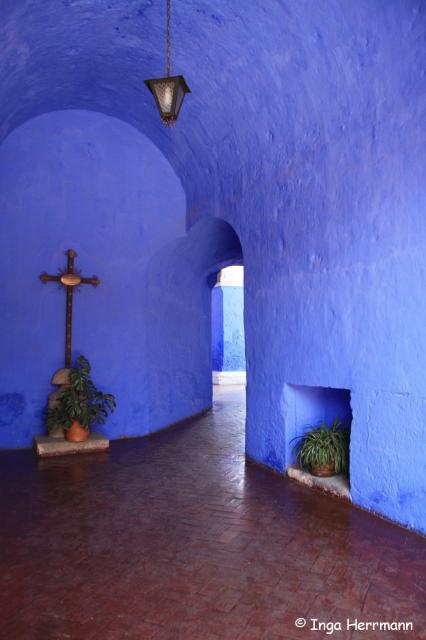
(228, 345)
(86, 181)
(217, 328)
(305, 133)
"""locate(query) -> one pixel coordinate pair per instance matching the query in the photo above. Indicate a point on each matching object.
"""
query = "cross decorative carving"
(69, 279)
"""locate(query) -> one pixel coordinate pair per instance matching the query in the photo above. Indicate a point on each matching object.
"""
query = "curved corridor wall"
(81, 180)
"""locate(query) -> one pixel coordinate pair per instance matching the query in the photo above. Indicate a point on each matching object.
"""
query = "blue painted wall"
(228, 344)
(93, 183)
(305, 132)
(217, 328)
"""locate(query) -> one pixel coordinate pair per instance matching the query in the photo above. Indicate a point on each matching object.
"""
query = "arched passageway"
(146, 328)
(228, 335)
(179, 345)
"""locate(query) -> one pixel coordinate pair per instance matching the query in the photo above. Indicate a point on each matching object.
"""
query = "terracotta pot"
(324, 470)
(77, 433)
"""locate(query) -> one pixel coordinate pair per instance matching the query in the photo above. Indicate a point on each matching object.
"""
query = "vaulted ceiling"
(274, 82)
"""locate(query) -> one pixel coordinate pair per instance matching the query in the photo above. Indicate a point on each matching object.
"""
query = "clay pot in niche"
(323, 470)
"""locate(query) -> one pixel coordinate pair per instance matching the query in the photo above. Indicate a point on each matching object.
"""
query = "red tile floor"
(176, 536)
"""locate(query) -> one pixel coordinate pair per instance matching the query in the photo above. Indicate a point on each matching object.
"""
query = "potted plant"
(324, 450)
(79, 405)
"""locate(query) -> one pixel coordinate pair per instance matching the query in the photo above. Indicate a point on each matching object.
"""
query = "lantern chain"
(168, 62)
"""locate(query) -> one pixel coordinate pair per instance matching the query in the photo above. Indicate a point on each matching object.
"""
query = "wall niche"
(304, 407)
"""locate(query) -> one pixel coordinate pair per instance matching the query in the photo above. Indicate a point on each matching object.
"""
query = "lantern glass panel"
(164, 92)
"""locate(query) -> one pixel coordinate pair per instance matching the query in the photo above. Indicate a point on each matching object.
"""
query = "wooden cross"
(69, 279)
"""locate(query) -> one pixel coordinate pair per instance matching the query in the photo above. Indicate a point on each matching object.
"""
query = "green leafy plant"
(80, 400)
(325, 445)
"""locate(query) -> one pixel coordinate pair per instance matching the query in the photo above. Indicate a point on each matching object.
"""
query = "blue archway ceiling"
(273, 81)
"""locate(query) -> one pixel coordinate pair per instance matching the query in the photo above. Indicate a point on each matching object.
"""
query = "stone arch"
(179, 353)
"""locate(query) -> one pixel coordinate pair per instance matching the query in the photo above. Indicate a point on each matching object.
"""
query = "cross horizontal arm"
(46, 278)
(93, 281)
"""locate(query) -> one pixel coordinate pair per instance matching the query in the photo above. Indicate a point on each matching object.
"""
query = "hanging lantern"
(169, 91)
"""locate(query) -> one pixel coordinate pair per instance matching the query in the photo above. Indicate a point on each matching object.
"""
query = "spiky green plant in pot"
(80, 404)
(324, 450)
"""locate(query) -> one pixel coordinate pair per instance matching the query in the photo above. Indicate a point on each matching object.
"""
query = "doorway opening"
(228, 338)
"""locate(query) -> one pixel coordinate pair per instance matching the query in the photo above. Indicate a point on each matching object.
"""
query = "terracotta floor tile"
(176, 537)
